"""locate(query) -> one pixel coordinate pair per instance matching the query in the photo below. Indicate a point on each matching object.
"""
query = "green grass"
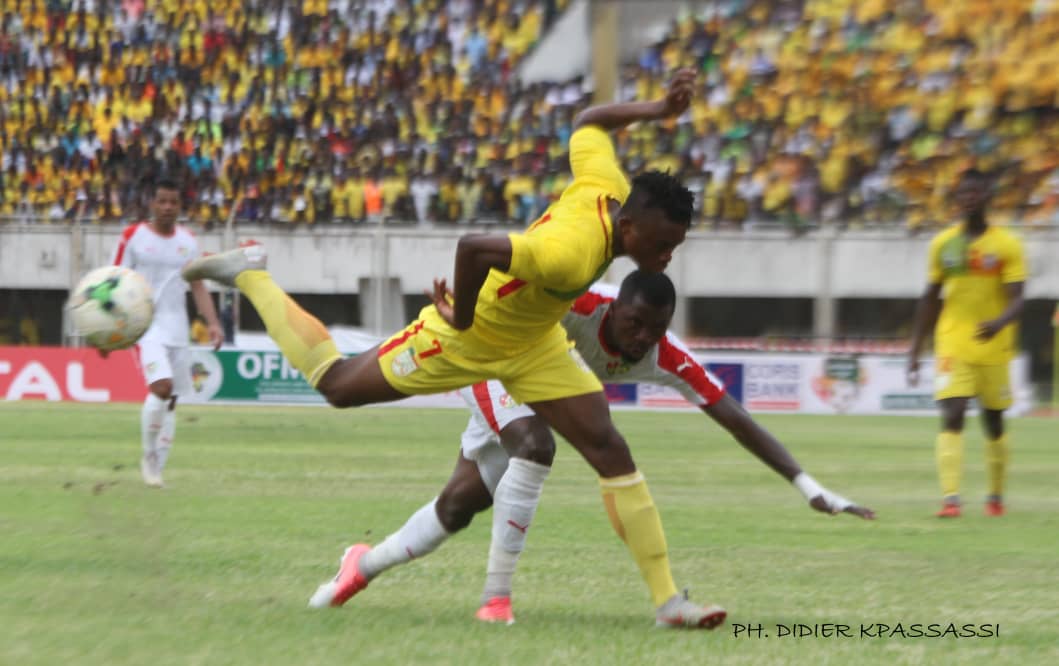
(216, 569)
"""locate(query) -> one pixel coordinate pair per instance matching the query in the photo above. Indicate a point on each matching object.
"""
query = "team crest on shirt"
(404, 363)
(953, 256)
(183, 251)
(151, 366)
(617, 368)
(989, 261)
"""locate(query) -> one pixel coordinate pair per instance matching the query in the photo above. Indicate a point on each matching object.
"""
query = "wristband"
(807, 485)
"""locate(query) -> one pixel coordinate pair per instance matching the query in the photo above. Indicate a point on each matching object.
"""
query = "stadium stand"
(812, 111)
(293, 111)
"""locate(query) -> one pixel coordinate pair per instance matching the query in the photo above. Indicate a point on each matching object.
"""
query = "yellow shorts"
(988, 383)
(429, 357)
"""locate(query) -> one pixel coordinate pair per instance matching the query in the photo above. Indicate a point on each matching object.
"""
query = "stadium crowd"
(304, 111)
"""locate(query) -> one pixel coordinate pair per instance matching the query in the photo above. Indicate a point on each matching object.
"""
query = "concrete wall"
(567, 50)
(331, 261)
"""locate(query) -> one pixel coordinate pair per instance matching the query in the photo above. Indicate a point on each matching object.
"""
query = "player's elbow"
(585, 118)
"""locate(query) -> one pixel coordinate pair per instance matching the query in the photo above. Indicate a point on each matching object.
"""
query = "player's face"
(651, 239)
(972, 195)
(636, 327)
(166, 205)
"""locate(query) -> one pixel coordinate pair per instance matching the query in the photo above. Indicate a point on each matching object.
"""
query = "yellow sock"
(949, 453)
(634, 517)
(300, 336)
(996, 462)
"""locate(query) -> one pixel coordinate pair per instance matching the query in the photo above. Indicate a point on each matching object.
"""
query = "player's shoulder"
(1006, 236)
(946, 234)
(673, 355)
(598, 295)
(185, 232)
(589, 136)
(133, 229)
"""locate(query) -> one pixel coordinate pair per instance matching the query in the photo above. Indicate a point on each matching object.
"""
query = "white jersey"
(669, 363)
(159, 259)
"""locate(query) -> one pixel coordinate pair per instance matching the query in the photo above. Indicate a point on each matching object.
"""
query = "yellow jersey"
(973, 274)
(557, 258)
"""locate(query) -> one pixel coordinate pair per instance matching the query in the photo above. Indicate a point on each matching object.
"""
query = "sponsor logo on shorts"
(404, 363)
(506, 401)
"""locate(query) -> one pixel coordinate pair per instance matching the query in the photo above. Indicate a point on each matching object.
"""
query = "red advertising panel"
(79, 375)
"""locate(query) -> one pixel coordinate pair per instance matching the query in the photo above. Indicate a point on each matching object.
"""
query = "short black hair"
(660, 190)
(976, 175)
(654, 289)
(165, 183)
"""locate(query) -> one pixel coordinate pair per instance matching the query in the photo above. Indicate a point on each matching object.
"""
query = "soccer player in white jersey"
(622, 336)
(158, 249)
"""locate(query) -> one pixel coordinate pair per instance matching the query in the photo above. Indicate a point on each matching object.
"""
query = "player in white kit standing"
(158, 249)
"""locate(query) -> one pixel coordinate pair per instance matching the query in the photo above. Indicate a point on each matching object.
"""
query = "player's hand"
(912, 372)
(443, 299)
(678, 95)
(216, 336)
(829, 502)
(987, 329)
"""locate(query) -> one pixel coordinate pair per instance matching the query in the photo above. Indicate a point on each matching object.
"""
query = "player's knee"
(163, 388)
(341, 383)
(994, 423)
(456, 506)
(530, 439)
(608, 453)
(337, 398)
(953, 421)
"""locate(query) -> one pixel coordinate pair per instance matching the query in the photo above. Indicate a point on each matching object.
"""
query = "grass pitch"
(95, 568)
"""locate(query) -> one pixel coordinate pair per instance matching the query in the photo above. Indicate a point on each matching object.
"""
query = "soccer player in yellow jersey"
(502, 322)
(976, 278)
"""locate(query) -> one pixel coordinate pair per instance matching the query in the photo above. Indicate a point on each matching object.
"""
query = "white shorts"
(492, 409)
(159, 361)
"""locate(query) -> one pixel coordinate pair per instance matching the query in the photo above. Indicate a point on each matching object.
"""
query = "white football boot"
(225, 266)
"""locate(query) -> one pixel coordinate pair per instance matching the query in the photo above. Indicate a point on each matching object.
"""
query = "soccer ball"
(111, 307)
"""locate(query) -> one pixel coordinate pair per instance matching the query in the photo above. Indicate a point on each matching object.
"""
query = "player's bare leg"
(464, 495)
(585, 422)
(156, 409)
(949, 455)
(997, 455)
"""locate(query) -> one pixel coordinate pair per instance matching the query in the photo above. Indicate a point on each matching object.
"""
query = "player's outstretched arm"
(476, 255)
(926, 316)
(204, 304)
(731, 416)
(615, 116)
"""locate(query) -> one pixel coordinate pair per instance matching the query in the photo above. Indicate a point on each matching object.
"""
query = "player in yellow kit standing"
(976, 278)
(503, 323)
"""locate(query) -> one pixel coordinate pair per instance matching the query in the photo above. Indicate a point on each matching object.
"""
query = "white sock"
(514, 503)
(165, 438)
(422, 534)
(151, 417)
